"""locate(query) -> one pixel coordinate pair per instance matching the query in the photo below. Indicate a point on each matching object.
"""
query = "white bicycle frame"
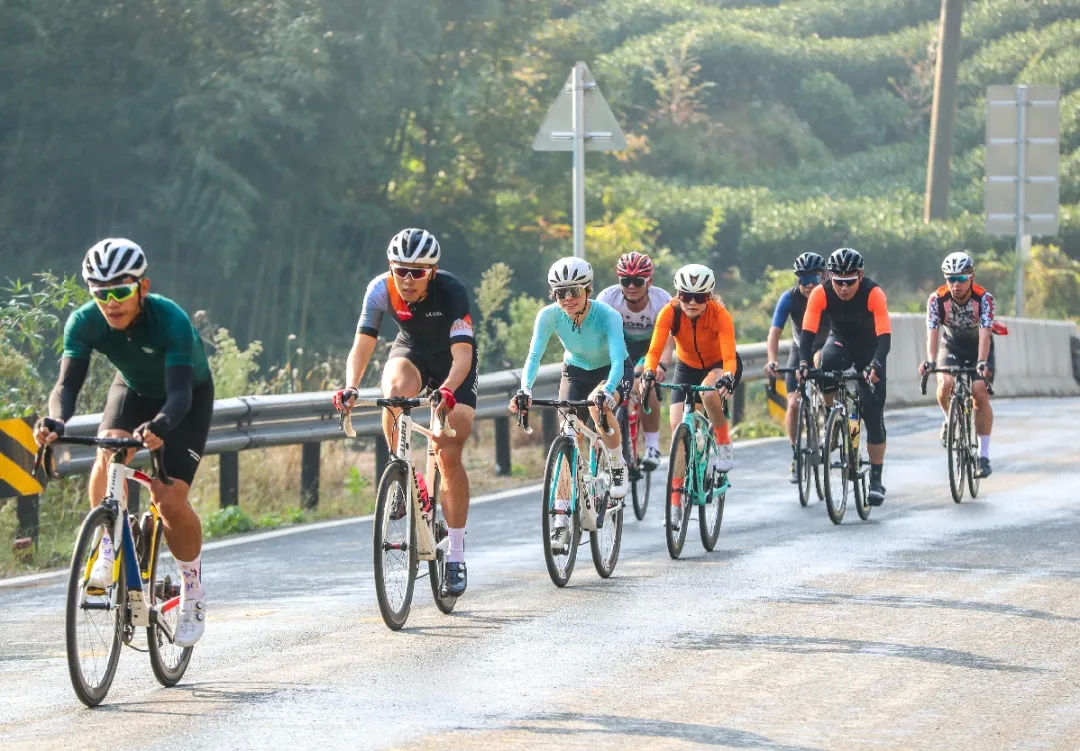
(597, 484)
(426, 547)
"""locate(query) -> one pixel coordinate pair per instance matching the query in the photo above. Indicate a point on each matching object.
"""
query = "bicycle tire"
(711, 515)
(836, 451)
(820, 416)
(639, 478)
(803, 451)
(605, 542)
(956, 448)
(859, 482)
(973, 455)
(392, 488)
(168, 661)
(437, 566)
(560, 458)
(92, 690)
(680, 457)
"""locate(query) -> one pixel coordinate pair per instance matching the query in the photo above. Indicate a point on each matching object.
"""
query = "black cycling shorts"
(434, 367)
(836, 355)
(686, 375)
(126, 409)
(577, 384)
(965, 358)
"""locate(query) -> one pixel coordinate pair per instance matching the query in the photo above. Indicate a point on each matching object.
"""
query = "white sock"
(652, 440)
(456, 554)
(191, 571)
(984, 446)
(615, 457)
(562, 520)
(105, 548)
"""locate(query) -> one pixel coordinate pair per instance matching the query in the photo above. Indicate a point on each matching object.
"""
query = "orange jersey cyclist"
(705, 354)
(964, 312)
(860, 336)
(434, 350)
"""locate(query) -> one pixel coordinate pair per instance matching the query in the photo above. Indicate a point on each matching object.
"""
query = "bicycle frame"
(698, 424)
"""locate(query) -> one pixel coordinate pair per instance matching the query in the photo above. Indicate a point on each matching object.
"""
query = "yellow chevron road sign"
(17, 450)
(777, 396)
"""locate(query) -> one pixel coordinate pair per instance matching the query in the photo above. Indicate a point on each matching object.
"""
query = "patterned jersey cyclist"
(860, 336)
(427, 328)
(960, 324)
(705, 353)
(594, 360)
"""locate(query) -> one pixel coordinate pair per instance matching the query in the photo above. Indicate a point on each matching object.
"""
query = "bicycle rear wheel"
(837, 449)
(394, 545)
(437, 566)
(711, 515)
(94, 623)
(973, 457)
(956, 446)
(560, 483)
(804, 459)
(632, 445)
(678, 503)
(819, 415)
(606, 540)
(168, 660)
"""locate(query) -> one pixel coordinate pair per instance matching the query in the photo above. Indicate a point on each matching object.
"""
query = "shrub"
(227, 521)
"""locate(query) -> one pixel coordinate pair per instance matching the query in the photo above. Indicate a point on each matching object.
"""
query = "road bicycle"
(408, 526)
(961, 443)
(582, 481)
(847, 465)
(143, 587)
(809, 432)
(690, 482)
(628, 416)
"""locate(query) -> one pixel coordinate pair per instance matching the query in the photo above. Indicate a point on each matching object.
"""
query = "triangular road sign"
(602, 131)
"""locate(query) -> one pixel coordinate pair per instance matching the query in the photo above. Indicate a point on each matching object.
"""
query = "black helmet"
(845, 261)
(808, 263)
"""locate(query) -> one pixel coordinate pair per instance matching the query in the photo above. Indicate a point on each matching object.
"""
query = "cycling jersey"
(961, 321)
(637, 327)
(861, 322)
(705, 342)
(429, 325)
(596, 343)
(792, 304)
(161, 337)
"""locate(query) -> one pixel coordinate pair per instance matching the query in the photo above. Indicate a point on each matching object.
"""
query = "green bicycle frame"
(697, 424)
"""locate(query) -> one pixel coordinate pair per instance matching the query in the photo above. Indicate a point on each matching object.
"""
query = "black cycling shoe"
(984, 467)
(876, 496)
(454, 580)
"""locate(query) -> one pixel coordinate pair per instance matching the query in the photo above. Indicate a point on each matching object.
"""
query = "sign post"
(1021, 196)
(579, 120)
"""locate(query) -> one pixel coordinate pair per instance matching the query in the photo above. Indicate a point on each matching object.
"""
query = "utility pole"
(943, 112)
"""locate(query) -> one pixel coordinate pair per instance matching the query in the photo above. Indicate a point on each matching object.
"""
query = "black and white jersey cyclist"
(961, 313)
(434, 349)
(639, 302)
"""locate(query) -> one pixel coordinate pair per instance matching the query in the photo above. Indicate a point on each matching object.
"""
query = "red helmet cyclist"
(634, 264)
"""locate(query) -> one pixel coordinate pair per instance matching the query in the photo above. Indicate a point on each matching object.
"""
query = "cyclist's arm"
(986, 325)
(666, 357)
(359, 357)
(783, 309)
(933, 327)
(461, 365)
(727, 342)
(72, 376)
(616, 350)
(811, 322)
(933, 340)
(660, 335)
(462, 342)
(542, 329)
(877, 305)
(179, 380)
(772, 344)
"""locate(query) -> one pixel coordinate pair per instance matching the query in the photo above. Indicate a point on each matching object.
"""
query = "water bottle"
(425, 499)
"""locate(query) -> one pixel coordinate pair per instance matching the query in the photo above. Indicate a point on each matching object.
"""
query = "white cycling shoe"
(191, 622)
(619, 485)
(100, 573)
(651, 460)
(724, 458)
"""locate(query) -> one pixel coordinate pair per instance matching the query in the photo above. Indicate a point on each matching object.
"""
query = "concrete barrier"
(1035, 359)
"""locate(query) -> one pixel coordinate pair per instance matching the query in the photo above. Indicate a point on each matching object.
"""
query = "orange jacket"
(703, 342)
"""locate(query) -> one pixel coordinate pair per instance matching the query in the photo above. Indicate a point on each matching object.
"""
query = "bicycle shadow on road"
(604, 724)
(194, 699)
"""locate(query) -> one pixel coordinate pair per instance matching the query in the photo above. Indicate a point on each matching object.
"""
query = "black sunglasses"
(632, 281)
(845, 282)
(693, 296)
(809, 280)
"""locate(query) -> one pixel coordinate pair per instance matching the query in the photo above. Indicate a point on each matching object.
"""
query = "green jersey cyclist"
(162, 395)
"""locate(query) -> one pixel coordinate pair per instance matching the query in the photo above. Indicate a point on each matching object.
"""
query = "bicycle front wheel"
(711, 514)
(860, 465)
(972, 456)
(437, 566)
(678, 503)
(168, 660)
(606, 539)
(394, 545)
(837, 449)
(956, 445)
(556, 515)
(804, 459)
(94, 618)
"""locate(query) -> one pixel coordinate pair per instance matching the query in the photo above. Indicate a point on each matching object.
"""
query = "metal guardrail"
(248, 422)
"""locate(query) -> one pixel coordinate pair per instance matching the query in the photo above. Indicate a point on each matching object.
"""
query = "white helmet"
(569, 272)
(414, 246)
(694, 277)
(957, 263)
(113, 258)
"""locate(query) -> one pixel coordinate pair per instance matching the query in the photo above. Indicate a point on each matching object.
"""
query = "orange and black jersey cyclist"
(701, 344)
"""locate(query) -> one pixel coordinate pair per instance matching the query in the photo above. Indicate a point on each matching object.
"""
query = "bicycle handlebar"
(407, 404)
(954, 370)
(44, 458)
(524, 403)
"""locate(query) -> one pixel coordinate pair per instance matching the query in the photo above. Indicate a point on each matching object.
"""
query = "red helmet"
(634, 264)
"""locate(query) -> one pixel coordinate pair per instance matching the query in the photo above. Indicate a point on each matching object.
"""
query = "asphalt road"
(931, 625)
